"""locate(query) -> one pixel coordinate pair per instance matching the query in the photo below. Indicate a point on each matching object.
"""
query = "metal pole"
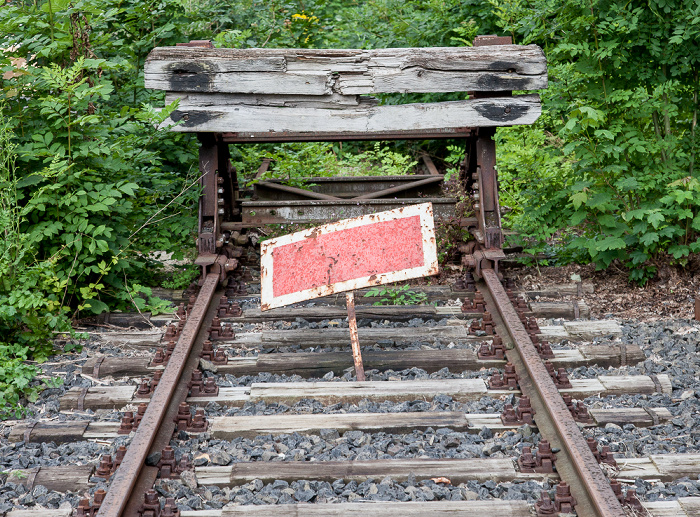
(352, 321)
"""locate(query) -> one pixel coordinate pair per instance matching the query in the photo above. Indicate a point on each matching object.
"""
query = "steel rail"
(575, 462)
(126, 476)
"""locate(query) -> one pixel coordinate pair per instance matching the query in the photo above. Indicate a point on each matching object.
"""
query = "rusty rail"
(161, 403)
(575, 462)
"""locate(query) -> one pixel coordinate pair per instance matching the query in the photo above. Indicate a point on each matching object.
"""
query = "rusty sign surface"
(364, 251)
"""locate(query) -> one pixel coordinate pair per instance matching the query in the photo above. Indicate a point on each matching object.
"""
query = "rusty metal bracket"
(28, 431)
(81, 399)
(481, 259)
(96, 367)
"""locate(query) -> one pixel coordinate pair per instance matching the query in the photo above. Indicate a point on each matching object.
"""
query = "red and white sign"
(365, 251)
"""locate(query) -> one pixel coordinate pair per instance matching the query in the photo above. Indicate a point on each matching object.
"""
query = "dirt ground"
(670, 295)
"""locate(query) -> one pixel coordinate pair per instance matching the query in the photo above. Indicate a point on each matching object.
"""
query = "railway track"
(428, 432)
(493, 404)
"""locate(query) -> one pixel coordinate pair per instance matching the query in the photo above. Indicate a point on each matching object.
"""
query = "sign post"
(354, 338)
(351, 254)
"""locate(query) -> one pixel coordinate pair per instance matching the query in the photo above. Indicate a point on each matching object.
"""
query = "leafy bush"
(31, 294)
(293, 162)
(622, 111)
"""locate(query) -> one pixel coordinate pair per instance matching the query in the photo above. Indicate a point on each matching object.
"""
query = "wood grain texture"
(50, 431)
(227, 428)
(347, 72)
(61, 478)
(249, 426)
(457, 470)
(44, 512)
(461, 390)
(666, 467)
(489, 112)
(99, 397)
(497, 507)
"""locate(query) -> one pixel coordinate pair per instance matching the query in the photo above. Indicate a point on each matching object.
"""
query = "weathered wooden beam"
(347, 72)
(314, 364)
(499, 507)
(251, 426)
(60, 478)
(457, 470)
(486, 112)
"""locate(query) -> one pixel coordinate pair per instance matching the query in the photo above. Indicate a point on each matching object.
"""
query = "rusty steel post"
(352, 322)
(697, 307)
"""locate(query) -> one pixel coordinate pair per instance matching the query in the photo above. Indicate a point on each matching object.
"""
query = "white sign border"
(430, 267)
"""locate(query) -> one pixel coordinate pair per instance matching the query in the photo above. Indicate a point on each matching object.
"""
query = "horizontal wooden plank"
(98, 397)
(640, 417)
(591, 329)
(115, 397)
(681, 507)
(348, 72)
(498, 507)
(43, 512)
(332, 100)
(296, 83)
(392, 312)
(318, 364)
(319, 313)
(674, 466)
(486, 112)
(618, 385)
(665, 467)
(47, 431)
(457, 470)
(227, 428)
(61, 478)
(560, 309)
(317, 211)
(332, 337)
(446, 292)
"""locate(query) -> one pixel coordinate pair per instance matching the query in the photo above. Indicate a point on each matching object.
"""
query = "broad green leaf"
(96, 306)
(649, 238)
(610, 243)
(655, 219)
(578, 199)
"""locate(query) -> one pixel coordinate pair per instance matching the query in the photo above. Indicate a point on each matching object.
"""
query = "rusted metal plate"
(361, 252)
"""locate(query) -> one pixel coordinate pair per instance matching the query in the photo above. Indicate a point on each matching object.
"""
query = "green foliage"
(295, 162)
(621, 115)
(396, 296)
(85, 173)
(182, 277)
(91, 168)
(30, 294)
